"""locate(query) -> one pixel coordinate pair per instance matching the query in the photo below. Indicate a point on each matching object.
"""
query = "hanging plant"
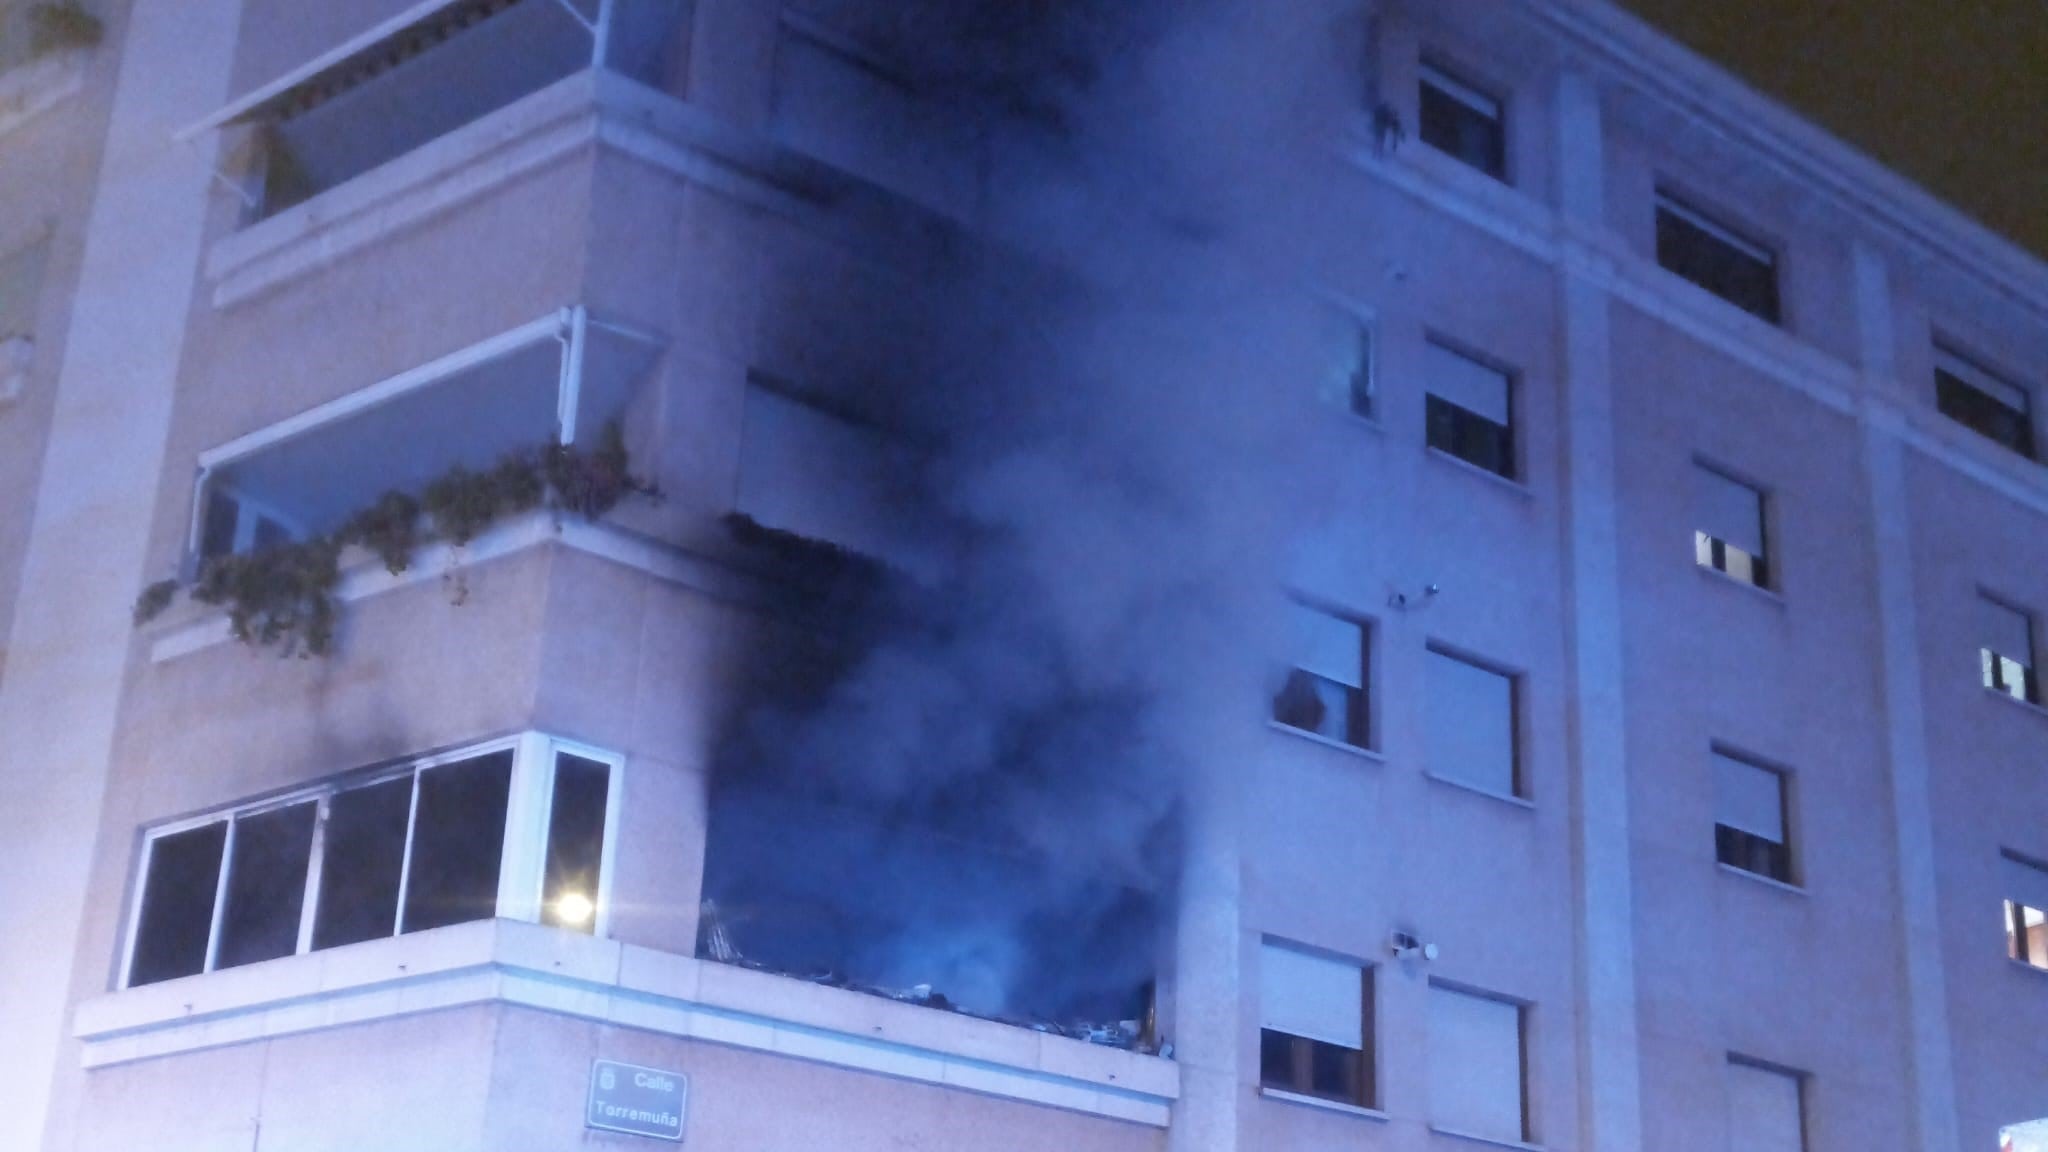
(282, 597)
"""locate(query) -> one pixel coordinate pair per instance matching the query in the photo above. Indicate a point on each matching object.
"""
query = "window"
(1996, 409)
(1477, 1079)
(1765, 1112)
(1325, 689)
(559, 379)
(1728, 527)
(1749, 818)
(2005, 652)
(1315, 1030)
(1471, 410)
(2026, 911)
(441, 841)
(1472, 725)
(2028, 1137)
(1463, 122)
(817, 472)
(1356, 383)
(21, 289)
(1736, 269)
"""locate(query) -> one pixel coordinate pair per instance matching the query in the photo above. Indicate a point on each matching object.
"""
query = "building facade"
(1646, 760)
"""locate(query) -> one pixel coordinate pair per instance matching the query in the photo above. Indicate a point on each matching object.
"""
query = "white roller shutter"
(1763, 1110)
(1469, 384)
(1475, 1065)
(2005, 631)
(1329, 646)
(1471, 725)
(1749, 798)
(1729, 511)
(1318, 997)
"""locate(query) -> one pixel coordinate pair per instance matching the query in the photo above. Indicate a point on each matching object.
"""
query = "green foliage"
(55, 25)
(390, 528)
(282, 597)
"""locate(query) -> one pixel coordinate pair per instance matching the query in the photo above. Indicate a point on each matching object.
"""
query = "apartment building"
(1643, 756)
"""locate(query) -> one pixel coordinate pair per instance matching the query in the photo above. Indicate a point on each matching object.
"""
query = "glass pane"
(458, 839)
(266, 886)
(575, 843)
(360, 863)
(177, 905)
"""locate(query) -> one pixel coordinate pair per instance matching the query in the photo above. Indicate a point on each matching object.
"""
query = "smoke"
(987, 789)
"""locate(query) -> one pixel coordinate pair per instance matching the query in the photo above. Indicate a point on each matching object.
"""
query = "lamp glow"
(574, 908)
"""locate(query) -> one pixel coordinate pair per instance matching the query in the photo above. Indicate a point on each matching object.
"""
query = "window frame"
(1433, 70)
(1710, 552)
(1364, 709)
(1787, 813)
(1989, 668)
(1952, 359)
(2016, 907)
(522, 862)
(1524, 1009)
(1520, 790)
(1510, 433)
(1301, 1049)
(1800, 1080)
(1668, 198)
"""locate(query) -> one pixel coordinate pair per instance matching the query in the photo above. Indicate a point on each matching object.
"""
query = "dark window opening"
(1717, 259)
(266, 888)
(1751, 830)
(1315, 1068)
(1752, 853)
(1324, 692)
(177, 905)
(362, 863)
(1471, 437)
(569, 897)
(1988, 406)
(458, 840)
(2026, 934)
(1361, 386)
(1463, 122)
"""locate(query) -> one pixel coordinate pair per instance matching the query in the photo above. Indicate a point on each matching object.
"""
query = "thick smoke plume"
(989, 792)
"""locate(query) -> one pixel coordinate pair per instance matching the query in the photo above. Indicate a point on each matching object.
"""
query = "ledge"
(1716, 576)
(2022, 965)
(1371, 754)
(1489, 1141)
(1337, 1106)
(199, 627)
(499, 962)
(28, 90)
(1507, 483)
(1786, 887)
(1516, 801)
(2027, 706)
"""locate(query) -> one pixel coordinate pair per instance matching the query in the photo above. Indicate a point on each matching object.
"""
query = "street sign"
(637, 1101)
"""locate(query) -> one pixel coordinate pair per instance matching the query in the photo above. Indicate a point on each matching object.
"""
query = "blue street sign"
(637, 1101)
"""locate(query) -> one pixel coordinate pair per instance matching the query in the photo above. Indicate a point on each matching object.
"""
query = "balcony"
(505, 962)
(560, 377)
(429, 71)
(42, 48)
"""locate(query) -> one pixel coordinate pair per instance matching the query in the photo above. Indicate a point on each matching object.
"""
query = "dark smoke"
(986, 787)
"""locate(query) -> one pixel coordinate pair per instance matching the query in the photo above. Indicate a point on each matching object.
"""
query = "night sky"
(1953, 93)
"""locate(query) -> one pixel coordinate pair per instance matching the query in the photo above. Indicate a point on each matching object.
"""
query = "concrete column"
(1208, 968)
(1931, 1095)
(1610, 1098)
(85, 557)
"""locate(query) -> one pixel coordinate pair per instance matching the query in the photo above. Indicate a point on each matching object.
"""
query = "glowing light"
(575, 909)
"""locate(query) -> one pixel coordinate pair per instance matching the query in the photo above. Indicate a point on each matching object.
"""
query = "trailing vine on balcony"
(282, 597)
(54, 25)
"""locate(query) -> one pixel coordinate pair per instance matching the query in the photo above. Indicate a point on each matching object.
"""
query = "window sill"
(1758, 878)
(503, 962)
(2022, 965)
(1489, 1141)
(1285, 1097)
(1508, 483)
(1515, 801)
(2023, 705)
(28, 90)
(1716, 576)
(1376, 757)
(1369, 423)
